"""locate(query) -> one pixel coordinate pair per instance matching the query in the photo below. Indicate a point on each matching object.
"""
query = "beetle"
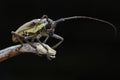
(45, 26)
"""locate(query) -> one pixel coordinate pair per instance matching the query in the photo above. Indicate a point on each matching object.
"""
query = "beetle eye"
(48, 26)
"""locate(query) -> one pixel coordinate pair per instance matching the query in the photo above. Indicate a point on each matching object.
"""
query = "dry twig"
(26, 48)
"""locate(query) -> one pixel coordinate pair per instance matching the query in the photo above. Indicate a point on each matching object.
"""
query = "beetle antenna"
(45, 16)
(86, 17)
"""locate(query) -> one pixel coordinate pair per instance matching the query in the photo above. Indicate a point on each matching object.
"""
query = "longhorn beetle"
(45, 26)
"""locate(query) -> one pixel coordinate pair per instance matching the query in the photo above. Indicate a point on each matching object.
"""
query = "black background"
(89, 51)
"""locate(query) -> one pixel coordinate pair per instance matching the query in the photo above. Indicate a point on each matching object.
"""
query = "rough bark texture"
(26, 48)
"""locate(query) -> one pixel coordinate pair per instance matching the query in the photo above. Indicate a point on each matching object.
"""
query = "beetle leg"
(25, 39)
(57, 37)
(38, 39)
(18, 38)
(46, 39)
(30, 43)
(16, 34)
(20, 42)
(33, 39)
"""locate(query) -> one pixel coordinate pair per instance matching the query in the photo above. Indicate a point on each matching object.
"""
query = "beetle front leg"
(57, 37)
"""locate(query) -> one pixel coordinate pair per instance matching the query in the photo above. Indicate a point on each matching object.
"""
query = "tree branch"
(26, 48)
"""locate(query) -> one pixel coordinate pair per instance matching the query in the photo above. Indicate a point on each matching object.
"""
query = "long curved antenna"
(86, 17)
(44, 16)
